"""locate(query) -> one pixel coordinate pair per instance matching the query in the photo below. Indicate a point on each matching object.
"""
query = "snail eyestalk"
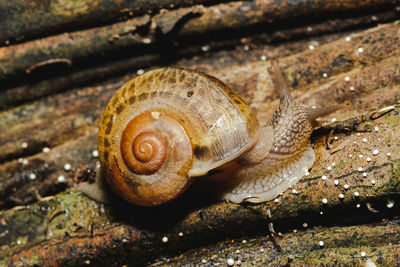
(279, 81)
(315, 113)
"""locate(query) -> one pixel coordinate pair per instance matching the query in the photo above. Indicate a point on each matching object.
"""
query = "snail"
(170, 126)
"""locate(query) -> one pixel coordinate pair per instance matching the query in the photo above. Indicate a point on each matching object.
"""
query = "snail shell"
(166, 126)
(169, 125)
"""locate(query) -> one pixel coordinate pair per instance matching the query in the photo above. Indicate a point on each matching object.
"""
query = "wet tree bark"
(22, 20)
(345, 212)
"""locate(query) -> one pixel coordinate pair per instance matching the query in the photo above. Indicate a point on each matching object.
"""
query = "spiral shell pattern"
(142, 150)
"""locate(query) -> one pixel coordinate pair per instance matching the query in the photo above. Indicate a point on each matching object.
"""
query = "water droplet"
(390, 203)
(205, 48)
(95, 153)
(146, 40)
(67, 167)
(230, 262)
(61, 179)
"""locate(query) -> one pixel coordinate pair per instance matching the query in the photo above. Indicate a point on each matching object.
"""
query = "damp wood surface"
(70, 229)
(21, 20)
(139, 35)
(51, 100)
(135, 43)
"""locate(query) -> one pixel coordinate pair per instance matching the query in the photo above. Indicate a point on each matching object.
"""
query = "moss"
(388, 140)
(28, 224)
(340, 165)
(393, 185)
(72, 211)
(393, 118)
(69, 213)
(35, 260)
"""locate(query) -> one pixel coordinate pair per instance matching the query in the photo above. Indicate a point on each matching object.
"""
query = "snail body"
(166, 127)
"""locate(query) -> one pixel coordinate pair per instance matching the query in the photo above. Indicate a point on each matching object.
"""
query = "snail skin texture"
(167, 127)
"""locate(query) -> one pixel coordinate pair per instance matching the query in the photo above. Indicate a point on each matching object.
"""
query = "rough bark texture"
(70, 229)
(342, 246)
(22, 19)
(77, 75)
(46, 222)
(142, 33)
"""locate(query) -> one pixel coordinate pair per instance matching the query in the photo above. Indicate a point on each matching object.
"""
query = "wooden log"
(23, 20)
(66, 49)
(142, 33)
(77, 76)
(71, 229)
(232, 16)
(341, 246)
